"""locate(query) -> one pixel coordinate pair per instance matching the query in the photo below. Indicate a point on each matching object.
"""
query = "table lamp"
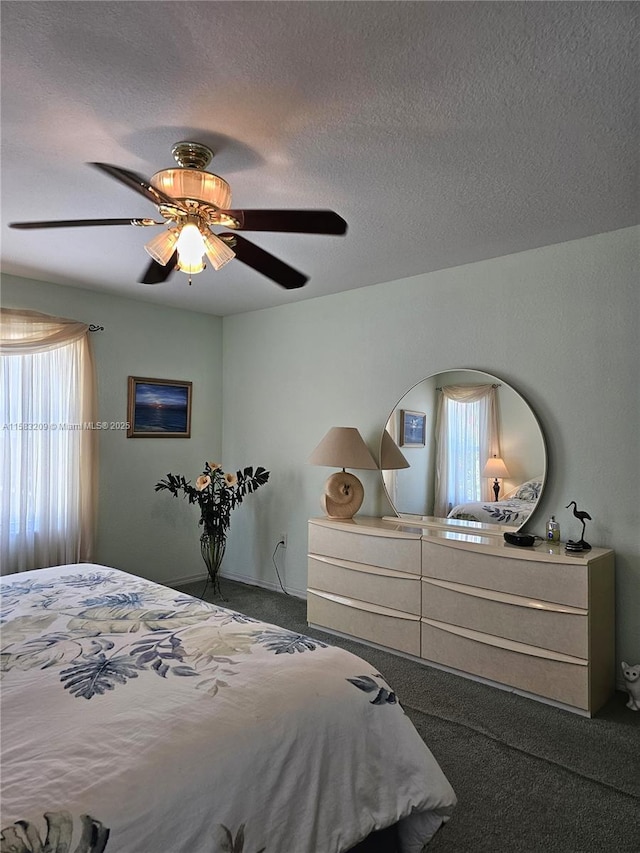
(495, 468)
(342, 447)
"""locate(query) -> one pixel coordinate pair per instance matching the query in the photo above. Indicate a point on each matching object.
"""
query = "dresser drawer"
(371, 622)
(550, 626)
(387, 587)
(557, 677)
(390, 552)
(564, 583)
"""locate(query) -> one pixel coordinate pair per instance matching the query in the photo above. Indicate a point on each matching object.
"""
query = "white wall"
(566, 317)
(148, 533)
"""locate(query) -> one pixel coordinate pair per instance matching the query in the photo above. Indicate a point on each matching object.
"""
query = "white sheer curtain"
(47, 451)
(466, 436)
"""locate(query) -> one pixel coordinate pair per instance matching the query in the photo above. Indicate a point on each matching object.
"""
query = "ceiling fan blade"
(299, 221)
(265, 263)
(138, 183)
(82, 223)
(156, 273)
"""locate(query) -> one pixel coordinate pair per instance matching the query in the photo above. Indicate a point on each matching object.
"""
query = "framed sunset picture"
(158, 408)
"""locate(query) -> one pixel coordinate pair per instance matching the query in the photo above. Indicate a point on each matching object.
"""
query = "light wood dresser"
(533, 620)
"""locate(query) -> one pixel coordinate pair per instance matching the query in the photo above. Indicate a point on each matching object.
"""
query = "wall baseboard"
(250, 581)
(275, 587)
(174, 582)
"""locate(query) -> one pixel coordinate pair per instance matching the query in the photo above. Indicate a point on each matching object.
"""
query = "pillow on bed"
(529, 491)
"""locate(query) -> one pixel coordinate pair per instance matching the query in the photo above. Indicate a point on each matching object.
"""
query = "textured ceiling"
(443, 132)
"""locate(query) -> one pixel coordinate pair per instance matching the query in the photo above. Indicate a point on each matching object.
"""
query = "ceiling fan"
(191, 201)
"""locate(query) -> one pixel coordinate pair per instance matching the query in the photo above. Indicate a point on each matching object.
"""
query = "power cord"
(273, 560)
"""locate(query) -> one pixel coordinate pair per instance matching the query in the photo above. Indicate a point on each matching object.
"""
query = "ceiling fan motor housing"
(192, 155)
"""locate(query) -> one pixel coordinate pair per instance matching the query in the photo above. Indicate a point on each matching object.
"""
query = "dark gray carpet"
(529, 777)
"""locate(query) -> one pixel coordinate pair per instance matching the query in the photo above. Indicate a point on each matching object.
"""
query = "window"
(46, 451)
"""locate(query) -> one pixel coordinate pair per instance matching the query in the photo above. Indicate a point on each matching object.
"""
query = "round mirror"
(474, 450)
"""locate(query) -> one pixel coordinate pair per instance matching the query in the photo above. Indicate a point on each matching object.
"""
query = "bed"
(137, 719)
(513, 510)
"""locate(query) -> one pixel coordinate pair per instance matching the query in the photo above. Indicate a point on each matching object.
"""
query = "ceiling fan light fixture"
(218, 252)
(162, 246)
(193, 184)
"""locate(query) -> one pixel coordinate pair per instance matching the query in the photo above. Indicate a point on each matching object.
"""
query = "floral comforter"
(514, 512)
(136, 719)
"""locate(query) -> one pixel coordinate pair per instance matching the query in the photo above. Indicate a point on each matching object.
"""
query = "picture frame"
(158, 408)
(413, 427)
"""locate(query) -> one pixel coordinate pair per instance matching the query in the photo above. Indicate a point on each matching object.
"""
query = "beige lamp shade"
(342, 447)
(495, 467)
(391, 458)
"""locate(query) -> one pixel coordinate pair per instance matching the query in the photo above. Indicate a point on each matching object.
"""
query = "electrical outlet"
(283, 540)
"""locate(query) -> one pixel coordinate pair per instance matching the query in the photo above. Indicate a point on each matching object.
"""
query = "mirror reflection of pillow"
(529, 491)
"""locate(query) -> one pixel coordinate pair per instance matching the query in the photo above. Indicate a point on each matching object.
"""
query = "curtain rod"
(94, 328)
(494, 385)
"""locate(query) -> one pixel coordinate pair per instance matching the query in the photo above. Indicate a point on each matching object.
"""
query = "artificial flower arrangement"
(217, 494)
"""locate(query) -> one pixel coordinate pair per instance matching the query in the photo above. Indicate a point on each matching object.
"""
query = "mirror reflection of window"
(466, 436)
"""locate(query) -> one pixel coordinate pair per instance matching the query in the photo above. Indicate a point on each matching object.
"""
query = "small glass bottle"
(553, 530)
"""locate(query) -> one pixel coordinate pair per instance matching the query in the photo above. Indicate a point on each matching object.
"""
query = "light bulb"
(190, 249)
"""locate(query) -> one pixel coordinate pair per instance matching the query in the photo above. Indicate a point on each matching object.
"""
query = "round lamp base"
(343, 495)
